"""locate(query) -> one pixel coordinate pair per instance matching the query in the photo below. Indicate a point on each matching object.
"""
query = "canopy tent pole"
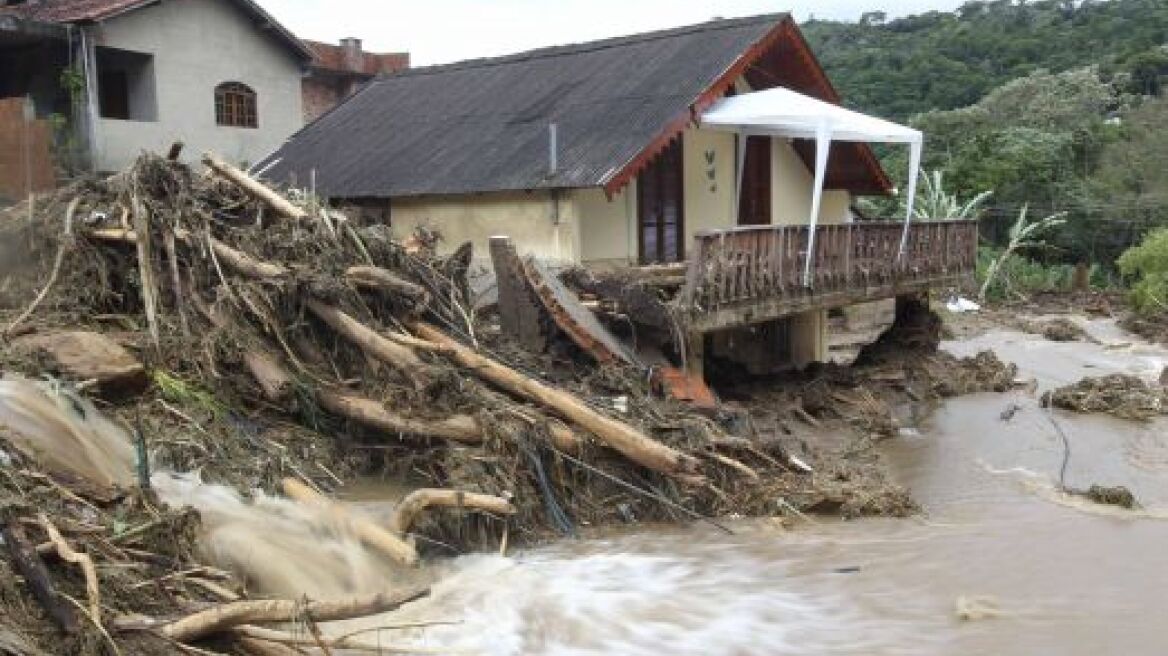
(822, 148)
(741, 141)
(914, 167)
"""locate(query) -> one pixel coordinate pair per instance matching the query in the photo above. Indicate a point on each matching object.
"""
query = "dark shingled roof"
(482, 125)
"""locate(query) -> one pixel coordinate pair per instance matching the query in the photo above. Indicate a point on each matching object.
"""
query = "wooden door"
(754, 206)
(660, 214)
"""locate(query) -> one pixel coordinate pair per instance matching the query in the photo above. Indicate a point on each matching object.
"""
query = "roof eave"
(672, 130)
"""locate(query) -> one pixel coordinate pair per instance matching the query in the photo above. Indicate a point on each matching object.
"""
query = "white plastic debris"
(960, 304)
(799, 464)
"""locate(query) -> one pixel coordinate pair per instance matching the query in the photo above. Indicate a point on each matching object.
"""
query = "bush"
(1148, 264)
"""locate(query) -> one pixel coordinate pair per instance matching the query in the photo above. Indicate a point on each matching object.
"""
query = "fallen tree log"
(369, 533)
(620, 436)
(415, 502)
(254, 188)
(378, 279)
(225, 616)
(367, 412)
(368, 340)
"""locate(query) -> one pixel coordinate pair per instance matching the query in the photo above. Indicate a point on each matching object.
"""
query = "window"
(125, 85)
(235, 105)
(660, 204)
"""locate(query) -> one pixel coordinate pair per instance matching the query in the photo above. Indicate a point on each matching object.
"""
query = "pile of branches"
(1120, 395)
(287, 311)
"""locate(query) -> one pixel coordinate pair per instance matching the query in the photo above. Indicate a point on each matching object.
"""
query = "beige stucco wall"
(709, 201)
(791, 190)
(608, 233)
(528, 218)
(198, 44)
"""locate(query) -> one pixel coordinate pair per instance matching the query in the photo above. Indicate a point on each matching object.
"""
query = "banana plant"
(1023, 234)
(934, 202)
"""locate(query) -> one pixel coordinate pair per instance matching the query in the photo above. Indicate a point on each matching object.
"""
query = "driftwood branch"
(225, 616)
(369, 533)
(254, 188)
(69, 555)
(419, 500)
(620, 436)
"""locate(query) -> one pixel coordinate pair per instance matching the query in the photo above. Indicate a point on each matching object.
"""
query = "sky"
(440, 31)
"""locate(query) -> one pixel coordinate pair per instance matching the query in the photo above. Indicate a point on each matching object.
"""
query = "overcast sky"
(439, 31)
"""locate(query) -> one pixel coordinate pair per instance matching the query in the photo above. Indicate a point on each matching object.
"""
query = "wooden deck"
(753, 274)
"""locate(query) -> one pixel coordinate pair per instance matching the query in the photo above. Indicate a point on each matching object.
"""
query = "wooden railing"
(744, 265)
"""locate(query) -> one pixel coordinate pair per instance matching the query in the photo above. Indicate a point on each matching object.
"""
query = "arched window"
(235, 105)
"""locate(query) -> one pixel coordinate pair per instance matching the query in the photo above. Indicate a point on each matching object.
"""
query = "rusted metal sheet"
(684, 386)
(572, 317)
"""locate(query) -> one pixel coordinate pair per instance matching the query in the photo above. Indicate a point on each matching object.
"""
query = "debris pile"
(1112, 496)
(272, 344)
(1060, 329)
(269, 343)
(1121, 395)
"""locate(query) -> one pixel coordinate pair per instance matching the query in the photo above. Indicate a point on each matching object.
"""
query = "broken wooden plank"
(577, 321)
(520, 313)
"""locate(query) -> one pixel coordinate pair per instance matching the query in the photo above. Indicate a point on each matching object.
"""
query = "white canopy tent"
(784, 113)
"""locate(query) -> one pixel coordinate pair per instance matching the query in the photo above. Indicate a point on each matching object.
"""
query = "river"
(999, 563)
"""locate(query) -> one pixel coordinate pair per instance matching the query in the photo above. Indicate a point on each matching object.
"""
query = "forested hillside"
(945, 60)
(1052, 105)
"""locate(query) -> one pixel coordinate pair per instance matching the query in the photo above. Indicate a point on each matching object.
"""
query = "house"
(336, 72)
(709, 147)
(130, 75)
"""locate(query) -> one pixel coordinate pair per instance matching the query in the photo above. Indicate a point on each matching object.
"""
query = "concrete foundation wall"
(197, 45)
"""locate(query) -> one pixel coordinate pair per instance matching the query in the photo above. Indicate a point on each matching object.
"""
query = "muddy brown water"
(999, 563)
(1033, 571)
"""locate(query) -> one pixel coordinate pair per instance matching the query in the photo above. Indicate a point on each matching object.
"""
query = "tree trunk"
(367, 339)
(254, 188)
(381, 280)
(620, 436)
(365, 411)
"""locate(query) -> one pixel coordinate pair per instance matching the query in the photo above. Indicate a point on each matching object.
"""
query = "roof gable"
(482, 125)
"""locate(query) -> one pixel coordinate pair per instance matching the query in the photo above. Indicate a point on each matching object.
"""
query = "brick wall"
(319, 97)
(25, 152)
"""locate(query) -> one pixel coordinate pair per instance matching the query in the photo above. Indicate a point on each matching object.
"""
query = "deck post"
(695, 354)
